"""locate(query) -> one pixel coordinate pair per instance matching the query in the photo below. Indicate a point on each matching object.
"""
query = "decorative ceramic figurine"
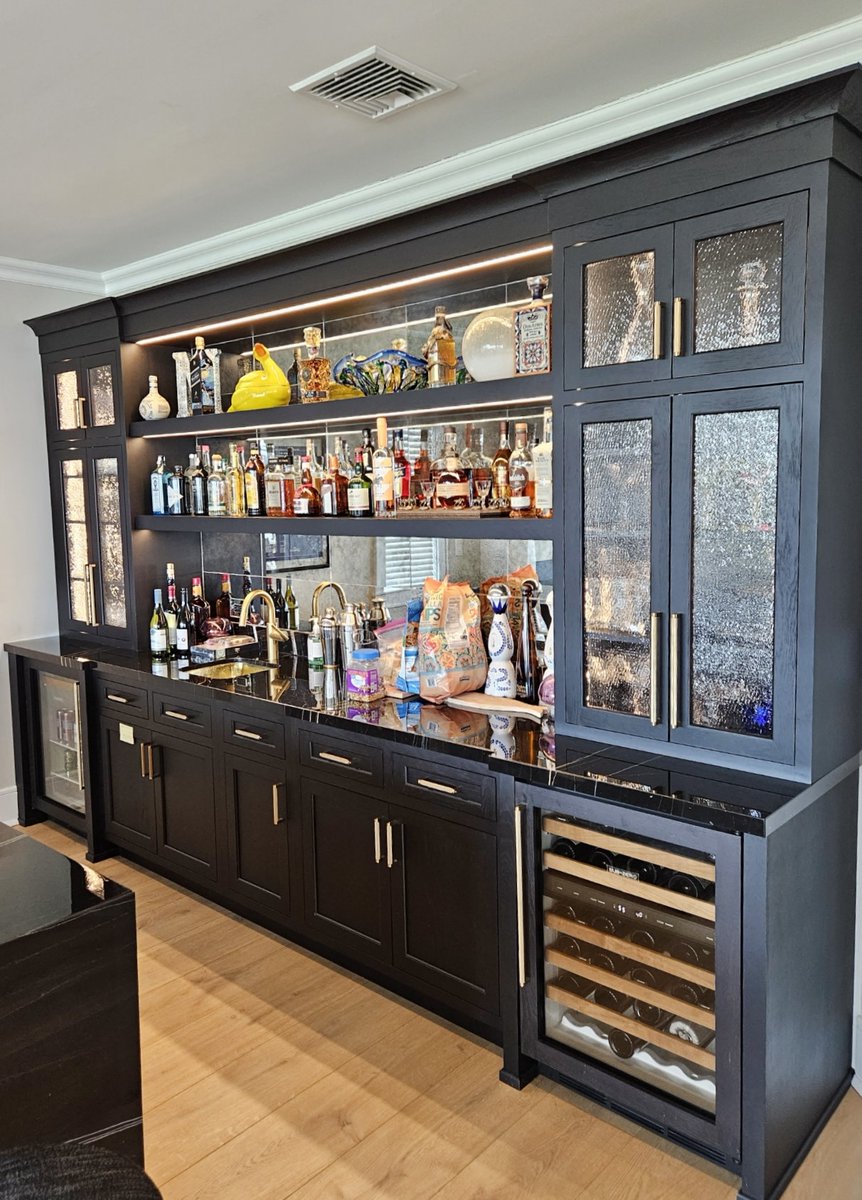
(502, 741)
(154, 407)
(546, 687)
(501, 646)
(488, 345)
(439, 351)
(266, 388)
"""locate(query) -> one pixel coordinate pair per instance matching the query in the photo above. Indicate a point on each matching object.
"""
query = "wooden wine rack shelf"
(655, 1037)
(705, 909)
(637, 991)
(650, 958)
(617, 845)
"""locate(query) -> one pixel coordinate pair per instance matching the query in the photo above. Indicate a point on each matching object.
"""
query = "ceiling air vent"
(374, 83)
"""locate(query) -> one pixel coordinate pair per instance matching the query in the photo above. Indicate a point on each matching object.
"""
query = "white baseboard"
(9, 805)
(857, 1055)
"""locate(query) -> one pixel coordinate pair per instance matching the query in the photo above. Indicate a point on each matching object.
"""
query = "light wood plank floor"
(269, 1074)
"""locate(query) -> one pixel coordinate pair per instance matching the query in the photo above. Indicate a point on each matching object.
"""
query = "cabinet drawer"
(253, 733)
(178, 714)
(345, 759)
(446, 785)
(123, 698)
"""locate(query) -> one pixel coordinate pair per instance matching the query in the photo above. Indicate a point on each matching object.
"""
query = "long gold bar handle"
(90, 568)
(378, 853)
(142, 746)
(150, 772)
(79, 407)
(276, 805)
(654, 661)
(519, 894)
(390, 849)
(675, 624)
(657, 329)
(677, 325)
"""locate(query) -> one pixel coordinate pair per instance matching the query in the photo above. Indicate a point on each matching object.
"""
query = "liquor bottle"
(480, 468)
(205, 460)
(235, 480)
(383, 477)
(280, 606)
(402, 468)
(154, 406)
(158, 487)
(527, 663)
(543, 469)
(501, 680)
(315, 462)
(344, 460)
(452, 481)
(367, 451)
(521, 483)
(359, 491)
(159, 644)
(175, 491)
(274, 489)
(223, 600)
(185, 624)
(333, 490)
(201, 380)
(500, 469)
(171, 608)
(292, 608)
(289, 482)
(294, 376)
(217, 489)
(315, 647)
(315, 372)
(422, 466)
(200, 607)
(254, 474)
(533, 330)
(439, 351)
(247, 584)
(306, 498)
(195, 488)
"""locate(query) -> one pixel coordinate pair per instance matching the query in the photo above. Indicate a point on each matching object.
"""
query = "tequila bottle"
(543, 468)
(439, 351)
(533, 331)
(235, 480)
(217, 489)
(315, 371)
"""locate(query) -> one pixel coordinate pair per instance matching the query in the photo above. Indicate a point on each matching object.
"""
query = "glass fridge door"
(62, 766)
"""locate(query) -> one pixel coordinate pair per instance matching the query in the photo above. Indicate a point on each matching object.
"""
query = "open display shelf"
(523, 529)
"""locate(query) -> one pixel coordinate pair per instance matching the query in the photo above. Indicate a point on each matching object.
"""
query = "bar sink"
(230, 670)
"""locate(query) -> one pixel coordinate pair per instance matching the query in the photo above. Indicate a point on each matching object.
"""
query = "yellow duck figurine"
(266, 388)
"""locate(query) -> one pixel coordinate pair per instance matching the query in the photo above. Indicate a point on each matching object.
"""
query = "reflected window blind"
(407, 563)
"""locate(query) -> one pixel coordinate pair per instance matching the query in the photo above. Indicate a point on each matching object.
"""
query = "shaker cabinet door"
(82, 396)
(127, 791)
(73, 542)
(260, 832)
(109, 520)
(182, 776)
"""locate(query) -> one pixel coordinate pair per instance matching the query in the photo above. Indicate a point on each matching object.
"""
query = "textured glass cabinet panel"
(101, 386)
(734, 511)
(737, 289)
(66, 391)
(109, 526)
(619, 297)
(617, 471)
(77, 541)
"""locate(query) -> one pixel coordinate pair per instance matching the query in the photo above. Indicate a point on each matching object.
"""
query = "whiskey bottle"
(294, 374)
(521, 482)
(235, 481)
(217, 489)
(306, 498)
(223, 600)
(315, 371)
(383, 477)
(288, 483)
(274, 489)
(175, 491)
(200, 608)
(533, 331)
(158, 487)
(333, 490)
(422, 466)
(452, 480)
(201, 380)
(500, 469)
(159, 645)
(254, 482)
(359, 491)
(439, 351)
(543, 470)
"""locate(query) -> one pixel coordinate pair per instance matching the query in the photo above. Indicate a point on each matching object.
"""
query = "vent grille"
(374, 83)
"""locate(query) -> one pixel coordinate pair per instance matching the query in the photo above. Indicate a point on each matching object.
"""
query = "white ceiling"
(129, 131)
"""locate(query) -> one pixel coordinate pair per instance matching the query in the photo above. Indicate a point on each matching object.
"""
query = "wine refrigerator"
(629, 963)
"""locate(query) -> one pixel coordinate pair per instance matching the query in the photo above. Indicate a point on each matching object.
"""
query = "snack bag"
(452, 656)
(408, 670)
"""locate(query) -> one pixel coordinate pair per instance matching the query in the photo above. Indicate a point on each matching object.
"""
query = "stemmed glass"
(428, 486)
(483, 491)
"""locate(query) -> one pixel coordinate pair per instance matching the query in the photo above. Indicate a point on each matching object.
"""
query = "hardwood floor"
(269, 1074)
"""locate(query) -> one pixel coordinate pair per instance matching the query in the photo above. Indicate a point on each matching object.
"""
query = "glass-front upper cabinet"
(82, 396)
(720, 292)
(90, 547)
(681, 600)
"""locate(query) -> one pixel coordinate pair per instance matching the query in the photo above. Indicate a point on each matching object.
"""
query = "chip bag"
(452, 656)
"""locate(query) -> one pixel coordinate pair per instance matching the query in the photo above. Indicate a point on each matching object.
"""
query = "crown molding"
(46, 275)
(729, 83)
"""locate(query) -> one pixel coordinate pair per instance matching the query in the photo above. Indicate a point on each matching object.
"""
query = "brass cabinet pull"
(116, 699)
(79, 411)
(150, 772)
(378, 853)
(678, 310)
(336, 758)
(277, 815)
(142, 748)
(519, 894)
(247, 733)
(675, 623)
(658, 329)
(90, 568)
(177, 716)
(434, 786)
(654, 661)
(390, 851)
(78, 739)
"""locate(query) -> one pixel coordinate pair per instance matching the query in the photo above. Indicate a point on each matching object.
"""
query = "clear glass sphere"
(488, 345)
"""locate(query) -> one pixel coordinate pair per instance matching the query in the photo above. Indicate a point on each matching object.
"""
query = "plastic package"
(363, 677)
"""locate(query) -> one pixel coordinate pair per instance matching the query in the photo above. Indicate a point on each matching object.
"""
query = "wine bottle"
(247, 584)
(171, 608)
(280, 606)
(402, 468)
(383, 475)
(159, 643)
(185, 624)
(359, 490)
(200, 607)
(223, 600)
(292, 608)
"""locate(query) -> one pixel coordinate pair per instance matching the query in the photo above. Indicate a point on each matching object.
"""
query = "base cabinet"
(261, 834)
(128, 802)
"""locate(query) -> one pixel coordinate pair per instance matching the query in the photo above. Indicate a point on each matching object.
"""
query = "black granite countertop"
(733, 801)
(39, 887)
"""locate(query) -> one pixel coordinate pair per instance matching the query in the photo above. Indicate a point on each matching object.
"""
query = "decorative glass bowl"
(386, 371)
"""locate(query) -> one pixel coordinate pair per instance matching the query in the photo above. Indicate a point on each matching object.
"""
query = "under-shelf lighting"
(357, 294)
(346, 420)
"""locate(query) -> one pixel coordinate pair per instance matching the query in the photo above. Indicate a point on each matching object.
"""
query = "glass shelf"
(523, 529)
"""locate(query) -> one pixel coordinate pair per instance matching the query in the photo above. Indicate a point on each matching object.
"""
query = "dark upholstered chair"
(71, 1172)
